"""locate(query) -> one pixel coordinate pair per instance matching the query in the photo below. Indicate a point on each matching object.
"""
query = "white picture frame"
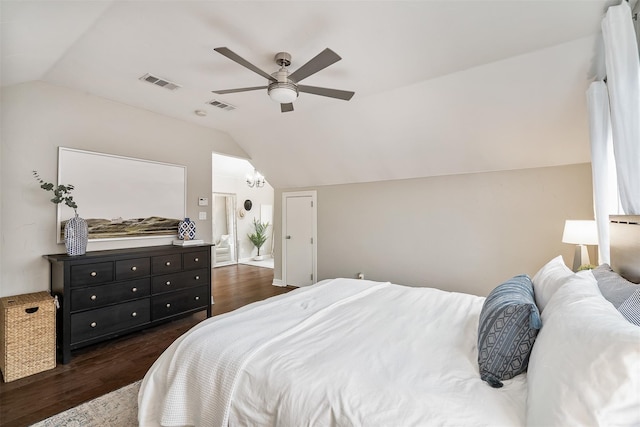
(122, 197)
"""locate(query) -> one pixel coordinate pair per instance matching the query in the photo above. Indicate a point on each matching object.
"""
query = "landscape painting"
(122, 197)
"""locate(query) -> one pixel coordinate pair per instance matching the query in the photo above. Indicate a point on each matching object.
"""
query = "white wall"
(463, 233)
(229, 176)
(36, 119)
(258, 196)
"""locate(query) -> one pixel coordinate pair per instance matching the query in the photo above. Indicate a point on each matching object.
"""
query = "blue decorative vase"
(76, 235)
(186, 229)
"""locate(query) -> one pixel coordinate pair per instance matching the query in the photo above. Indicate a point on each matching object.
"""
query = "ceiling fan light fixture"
(283, 92)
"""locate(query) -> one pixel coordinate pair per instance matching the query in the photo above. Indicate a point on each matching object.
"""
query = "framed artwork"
(122, 197)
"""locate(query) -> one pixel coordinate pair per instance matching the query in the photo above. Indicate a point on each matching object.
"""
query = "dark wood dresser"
(104, 294)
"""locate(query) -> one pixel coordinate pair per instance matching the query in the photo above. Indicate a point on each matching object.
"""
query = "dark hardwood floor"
(101, 368)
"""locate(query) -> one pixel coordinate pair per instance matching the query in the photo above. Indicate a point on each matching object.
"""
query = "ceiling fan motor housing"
(283, 59)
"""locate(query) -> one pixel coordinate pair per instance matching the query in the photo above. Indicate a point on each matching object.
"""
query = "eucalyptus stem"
(61, 193)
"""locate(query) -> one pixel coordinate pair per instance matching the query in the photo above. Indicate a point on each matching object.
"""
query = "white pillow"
(584, 368)
(224, 240)
(549, 279)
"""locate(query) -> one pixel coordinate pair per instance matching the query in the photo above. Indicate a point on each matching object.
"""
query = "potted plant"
(259, 236)
(76, 233)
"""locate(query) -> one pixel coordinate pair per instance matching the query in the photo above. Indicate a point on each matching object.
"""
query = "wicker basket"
(27, 335)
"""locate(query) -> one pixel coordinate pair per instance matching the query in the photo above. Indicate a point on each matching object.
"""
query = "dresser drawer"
(184, 279)
(132, 268)
(174, 303)
(99, 296)
(91, 274)
(193, 260)
(166, 263)
(107, 320)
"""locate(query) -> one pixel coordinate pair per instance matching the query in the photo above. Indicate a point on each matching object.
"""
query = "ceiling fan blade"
(237, 58)
(242, 89)
(324, 91)
(285, 108)
(315, 64)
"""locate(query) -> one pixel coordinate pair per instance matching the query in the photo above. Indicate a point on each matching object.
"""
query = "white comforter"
(340, 353)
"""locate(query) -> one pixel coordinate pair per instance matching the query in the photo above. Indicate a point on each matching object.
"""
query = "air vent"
(221, 105)
(150, 78)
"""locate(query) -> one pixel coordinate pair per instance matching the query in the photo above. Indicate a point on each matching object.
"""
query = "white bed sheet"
(340, 353)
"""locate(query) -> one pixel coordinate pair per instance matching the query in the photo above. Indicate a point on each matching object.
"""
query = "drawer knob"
(93, 324)
(134, 289)
(168, 283)
(168, 263)
(168, 305)
(93, 297)
(134, 268)
(94, 274)
(197, 298)
(197, 277)
(134, 314)
(196, 259)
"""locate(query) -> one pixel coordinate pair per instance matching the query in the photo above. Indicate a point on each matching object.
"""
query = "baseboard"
(249, 259)
(278, 282)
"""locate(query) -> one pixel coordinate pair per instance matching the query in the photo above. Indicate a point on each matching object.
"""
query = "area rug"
(116, 409)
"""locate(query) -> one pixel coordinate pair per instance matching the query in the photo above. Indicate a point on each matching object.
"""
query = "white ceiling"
(442, 87)
(231, 167)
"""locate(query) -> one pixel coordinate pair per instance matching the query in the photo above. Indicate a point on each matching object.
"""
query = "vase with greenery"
(259, 235)
(76, 233)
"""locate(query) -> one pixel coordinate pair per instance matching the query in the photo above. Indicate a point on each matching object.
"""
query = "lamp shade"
(580, 232)
(282, 92)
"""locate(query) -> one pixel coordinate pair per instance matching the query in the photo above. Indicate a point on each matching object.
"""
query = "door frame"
(314, 231)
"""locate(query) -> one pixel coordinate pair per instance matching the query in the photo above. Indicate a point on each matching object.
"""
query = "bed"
(547, 350)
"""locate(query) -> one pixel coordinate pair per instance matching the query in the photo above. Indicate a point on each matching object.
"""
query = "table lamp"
(580, 233)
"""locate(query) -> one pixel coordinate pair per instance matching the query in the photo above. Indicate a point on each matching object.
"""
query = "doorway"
(232, 176)
(225, 251)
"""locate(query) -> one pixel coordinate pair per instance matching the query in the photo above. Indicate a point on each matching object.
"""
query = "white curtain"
(600, 135)
(231, 229)
(623, 82)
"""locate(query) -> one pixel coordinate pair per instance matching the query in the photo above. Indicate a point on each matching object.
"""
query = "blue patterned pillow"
(630, 308)
(509, 324)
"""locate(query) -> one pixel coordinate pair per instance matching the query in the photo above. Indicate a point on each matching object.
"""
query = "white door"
(299, 238)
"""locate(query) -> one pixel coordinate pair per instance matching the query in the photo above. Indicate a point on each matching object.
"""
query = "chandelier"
(255, 180)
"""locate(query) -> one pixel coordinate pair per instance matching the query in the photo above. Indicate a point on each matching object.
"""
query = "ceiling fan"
(283, 86)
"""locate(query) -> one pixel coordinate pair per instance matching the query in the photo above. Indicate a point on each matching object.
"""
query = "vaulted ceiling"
(441, 87)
